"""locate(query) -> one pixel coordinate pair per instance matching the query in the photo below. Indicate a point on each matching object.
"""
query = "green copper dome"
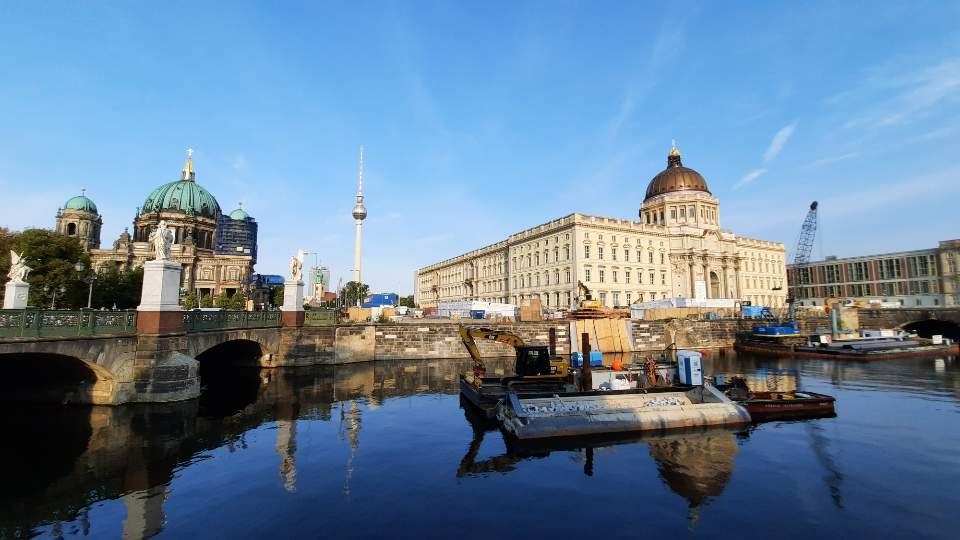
(239, 214)
(185, 196)
(80, 202)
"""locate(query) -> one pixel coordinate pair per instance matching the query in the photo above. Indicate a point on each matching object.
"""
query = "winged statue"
(18, 268)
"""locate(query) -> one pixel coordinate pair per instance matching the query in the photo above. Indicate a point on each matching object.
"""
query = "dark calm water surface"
(384, 450)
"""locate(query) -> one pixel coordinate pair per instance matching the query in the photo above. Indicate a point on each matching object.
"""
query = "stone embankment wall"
(442, 340)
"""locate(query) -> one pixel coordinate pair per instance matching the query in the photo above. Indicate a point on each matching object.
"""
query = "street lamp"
(53, 302)
(80, 267)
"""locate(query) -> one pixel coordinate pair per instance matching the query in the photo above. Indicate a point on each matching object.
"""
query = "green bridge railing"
(326, 317)
(43, 323)
(201, 321)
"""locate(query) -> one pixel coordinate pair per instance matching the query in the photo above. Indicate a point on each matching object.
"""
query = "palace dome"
(185, 196)
(239, 214)
(676, 177)
(80, 202)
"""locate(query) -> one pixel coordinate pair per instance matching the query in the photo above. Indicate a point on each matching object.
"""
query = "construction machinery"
(586, 299)
(535, 369)
(532, 360)
(801, 255)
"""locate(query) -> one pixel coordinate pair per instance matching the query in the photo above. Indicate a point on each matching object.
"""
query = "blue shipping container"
(596, 359)
(380, 300)
(477, 313)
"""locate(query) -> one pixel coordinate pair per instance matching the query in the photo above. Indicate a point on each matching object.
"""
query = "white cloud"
(749, 177)
(902, 92)
(779, 141)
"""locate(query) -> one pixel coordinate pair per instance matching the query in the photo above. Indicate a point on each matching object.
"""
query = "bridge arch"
(930, 327)
(47, 377)
(238, 351)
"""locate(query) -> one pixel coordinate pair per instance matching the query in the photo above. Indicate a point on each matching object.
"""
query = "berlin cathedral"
(217, 250)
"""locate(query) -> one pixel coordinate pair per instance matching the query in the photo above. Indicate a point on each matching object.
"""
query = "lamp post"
(55, 290)
(80, 267)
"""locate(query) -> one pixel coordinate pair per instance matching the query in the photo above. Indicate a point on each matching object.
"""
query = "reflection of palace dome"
(80, 202)
(185, 196)
(676, 177)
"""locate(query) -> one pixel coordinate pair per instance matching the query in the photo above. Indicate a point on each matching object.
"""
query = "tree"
(277, 296)
(190, 300)
(238, 302)
(206, 301)
(51, 256)
(354, 291)
(408, 301)
(222, 301)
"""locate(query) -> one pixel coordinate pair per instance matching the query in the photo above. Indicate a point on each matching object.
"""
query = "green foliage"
(120, 289)
(354, 291)
(237, 302)
(190, 300)
(408, 301)
(51, 257)
(222, 301)
(206, 301)
(277, 297)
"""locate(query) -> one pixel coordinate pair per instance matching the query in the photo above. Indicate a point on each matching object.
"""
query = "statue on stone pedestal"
(18, 268)
(296, 266)
(162, 239)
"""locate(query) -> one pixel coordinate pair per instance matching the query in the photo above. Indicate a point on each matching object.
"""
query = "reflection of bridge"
(103, 453)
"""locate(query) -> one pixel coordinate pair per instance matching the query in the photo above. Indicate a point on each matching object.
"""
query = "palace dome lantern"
(676, 177)
(679, 196)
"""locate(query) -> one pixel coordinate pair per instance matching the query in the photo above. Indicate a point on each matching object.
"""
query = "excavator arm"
(468, 336)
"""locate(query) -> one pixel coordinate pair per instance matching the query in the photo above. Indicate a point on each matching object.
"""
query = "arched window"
(71, 229)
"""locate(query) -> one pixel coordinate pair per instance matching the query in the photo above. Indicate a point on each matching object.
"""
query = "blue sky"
(481, 119)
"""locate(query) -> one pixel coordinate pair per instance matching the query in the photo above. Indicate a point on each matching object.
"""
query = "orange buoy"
(617, 364)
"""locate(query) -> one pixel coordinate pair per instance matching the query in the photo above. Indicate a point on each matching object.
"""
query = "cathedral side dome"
(80, 202)
(676, 177)
(239, 214)
(185, 196)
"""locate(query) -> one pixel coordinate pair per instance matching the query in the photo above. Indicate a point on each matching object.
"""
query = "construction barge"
(577, 414)
(853, 348)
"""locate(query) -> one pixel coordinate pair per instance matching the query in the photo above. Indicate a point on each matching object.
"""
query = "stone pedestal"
(292, 309)
(159, 310)
(16, 295)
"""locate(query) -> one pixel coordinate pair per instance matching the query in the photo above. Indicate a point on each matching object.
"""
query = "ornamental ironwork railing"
(320, 317)
(202, 321)
(41, 323)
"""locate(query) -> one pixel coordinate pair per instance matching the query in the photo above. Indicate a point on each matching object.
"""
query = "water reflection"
(65, 467)
(695, 465)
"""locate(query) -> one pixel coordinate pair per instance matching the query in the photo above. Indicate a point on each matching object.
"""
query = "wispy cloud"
(902, 92)
(666, 48)
(778, 142)
(749, 177)
(935, 134)
(833, 159)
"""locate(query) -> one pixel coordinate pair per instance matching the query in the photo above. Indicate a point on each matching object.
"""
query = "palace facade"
(217, 251)
(675, 249)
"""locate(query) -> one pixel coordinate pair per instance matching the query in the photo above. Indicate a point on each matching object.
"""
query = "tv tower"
(359, 214)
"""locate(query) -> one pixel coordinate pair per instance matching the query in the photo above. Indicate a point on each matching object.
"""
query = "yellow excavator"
(533, 361)
(586, 299)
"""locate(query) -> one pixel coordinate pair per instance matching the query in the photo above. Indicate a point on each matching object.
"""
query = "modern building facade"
(926, 277)
(205, 242)
(675, 249)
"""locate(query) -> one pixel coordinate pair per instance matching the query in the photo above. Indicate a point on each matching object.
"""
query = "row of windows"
(533, 259)
(859, 290)
(553, 299)
(615, 275)
(651, 256)
(533, 280)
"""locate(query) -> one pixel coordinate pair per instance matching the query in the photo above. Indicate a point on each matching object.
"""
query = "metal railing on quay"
(41, 323)
(201, 321)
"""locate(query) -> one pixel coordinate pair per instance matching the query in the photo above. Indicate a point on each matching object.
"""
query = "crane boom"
(807, 234)
(801, 255)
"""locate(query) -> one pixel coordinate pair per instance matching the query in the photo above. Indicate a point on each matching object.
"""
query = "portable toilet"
(690, 366)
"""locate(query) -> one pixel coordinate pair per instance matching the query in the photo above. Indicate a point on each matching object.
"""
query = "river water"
(384, 450)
